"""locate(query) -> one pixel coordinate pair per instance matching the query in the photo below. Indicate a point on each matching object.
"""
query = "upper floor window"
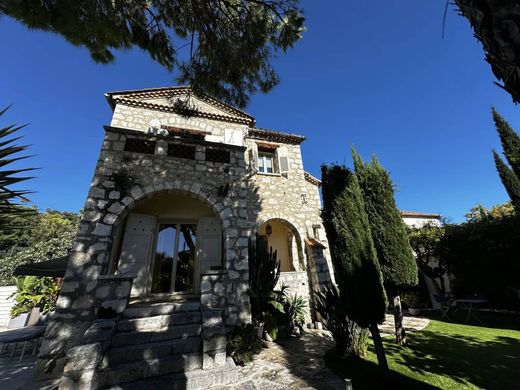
(265, 162)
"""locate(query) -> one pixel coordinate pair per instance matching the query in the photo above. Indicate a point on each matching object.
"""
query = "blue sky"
(376, 75)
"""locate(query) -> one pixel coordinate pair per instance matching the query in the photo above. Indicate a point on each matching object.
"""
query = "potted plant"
(412, 300)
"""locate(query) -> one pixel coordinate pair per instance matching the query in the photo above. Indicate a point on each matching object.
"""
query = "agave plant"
(9, 196)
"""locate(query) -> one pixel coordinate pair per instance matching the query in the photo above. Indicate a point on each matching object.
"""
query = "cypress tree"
(510, 181)
(510, 176)
(388, 233)
(353, 253)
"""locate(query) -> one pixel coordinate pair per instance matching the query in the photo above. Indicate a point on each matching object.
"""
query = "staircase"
(153, 340)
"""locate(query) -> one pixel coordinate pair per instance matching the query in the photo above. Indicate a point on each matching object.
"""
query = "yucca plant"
(9, 154)
(296, 309)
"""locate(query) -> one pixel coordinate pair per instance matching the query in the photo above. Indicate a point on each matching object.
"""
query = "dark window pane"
(181, 151)
(139, 146)
(217, 155)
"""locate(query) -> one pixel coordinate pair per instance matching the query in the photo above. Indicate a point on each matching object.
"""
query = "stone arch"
(138, 195)
(299, 263)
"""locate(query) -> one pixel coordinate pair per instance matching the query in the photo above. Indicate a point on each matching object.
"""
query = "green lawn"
(445, 355)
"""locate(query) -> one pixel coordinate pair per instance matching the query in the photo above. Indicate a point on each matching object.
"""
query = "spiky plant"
(10, 197)
(264, 272)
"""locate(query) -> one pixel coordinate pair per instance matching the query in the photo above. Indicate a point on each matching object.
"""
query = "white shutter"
(210, 243)
(136, 251)
(253, 158)
(283, 159)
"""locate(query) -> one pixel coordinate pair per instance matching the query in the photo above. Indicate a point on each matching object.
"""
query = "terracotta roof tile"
(275, 136)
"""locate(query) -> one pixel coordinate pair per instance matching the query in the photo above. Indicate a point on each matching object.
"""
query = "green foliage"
(49, 235)
(10, 197)
(483, 256)
(242, 344)
(386, 225)
(222, 47)
(295, 308)
(426, 243)
(350, 339)
(479, 212)
(35, 292)
(353, 254)
(264, 272)
(510, 176)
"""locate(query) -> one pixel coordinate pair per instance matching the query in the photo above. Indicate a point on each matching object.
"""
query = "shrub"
(350, 339)
(35, 292)
(242, 344)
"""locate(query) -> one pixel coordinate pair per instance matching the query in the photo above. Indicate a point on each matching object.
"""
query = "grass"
(446, 355)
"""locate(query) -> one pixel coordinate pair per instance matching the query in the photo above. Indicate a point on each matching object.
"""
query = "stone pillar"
(213, 300)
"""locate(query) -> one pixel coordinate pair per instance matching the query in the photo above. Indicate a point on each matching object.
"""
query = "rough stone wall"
(213, 298)
(292, 198)
(140, 118)
(145, 175)
(298, 283)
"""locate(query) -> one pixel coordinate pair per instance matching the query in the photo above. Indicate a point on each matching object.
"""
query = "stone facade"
(220, 173)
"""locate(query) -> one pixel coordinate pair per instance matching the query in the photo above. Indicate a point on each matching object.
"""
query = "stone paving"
(298, 363)
(293, 364)
(411, 324)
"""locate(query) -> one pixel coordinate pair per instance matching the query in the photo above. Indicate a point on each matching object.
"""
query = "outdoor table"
(27, 335)
(469, 304)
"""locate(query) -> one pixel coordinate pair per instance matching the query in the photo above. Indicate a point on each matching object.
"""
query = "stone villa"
(159, 267)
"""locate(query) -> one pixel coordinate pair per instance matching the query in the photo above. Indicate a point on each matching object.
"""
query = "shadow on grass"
(487, 319)
(368, 375)
(490, 364)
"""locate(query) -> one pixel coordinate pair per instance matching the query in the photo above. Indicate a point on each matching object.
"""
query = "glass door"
(175, 256)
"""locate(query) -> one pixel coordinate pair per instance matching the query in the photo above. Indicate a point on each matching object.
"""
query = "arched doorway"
(284, 238)
(165, 242)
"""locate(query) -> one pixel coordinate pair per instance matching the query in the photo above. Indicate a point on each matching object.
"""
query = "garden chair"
(446, 303)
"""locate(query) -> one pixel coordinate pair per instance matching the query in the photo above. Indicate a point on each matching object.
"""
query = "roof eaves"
(276, 136)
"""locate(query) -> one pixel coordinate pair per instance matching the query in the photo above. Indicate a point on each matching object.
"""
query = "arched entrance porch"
(166, 241)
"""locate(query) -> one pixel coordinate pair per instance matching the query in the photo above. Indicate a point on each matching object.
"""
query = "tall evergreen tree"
(388, 233)
(510, 176)
(354, 257)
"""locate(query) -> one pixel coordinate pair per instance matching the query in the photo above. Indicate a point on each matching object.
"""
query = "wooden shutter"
(283, 159)
(210, 243)
(136, 251)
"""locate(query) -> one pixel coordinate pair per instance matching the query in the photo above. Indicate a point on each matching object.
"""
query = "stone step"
(158, 322)
(194, 380)
(150, 351)
(168, 333)
(161, 308)
(130, 372)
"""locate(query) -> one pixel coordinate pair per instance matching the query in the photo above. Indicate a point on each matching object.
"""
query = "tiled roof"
(150, 93)
(311, 179)
(275, 136)
(313, 242)
(417, 214)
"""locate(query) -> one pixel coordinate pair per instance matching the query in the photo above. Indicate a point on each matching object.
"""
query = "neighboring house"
(181, 183)
(417, 219)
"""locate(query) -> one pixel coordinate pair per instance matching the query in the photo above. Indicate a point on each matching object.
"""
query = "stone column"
(213, 300)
